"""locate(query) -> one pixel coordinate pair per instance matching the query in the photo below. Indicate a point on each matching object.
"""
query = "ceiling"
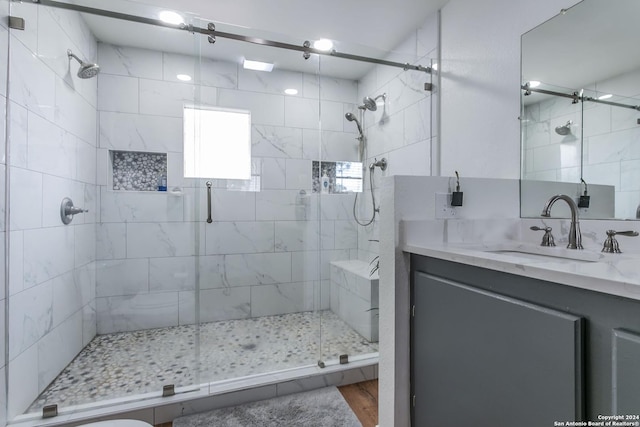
(371, 28)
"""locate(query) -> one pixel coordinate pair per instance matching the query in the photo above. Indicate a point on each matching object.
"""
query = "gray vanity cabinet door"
(482, 359)
(626, 373)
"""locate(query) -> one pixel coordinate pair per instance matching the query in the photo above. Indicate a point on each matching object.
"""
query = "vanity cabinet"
(497, 349)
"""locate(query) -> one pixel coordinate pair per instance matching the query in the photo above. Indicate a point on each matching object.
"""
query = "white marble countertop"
(614, 274)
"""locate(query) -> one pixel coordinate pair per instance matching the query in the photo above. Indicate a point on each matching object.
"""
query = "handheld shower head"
(87, 69)
(352, 118)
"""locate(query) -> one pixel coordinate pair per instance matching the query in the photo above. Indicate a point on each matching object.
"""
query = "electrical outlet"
(443, 206)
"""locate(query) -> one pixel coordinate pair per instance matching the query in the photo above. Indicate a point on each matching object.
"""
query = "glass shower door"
(102, 283)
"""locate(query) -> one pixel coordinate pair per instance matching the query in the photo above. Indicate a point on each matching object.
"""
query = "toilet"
(118, 423)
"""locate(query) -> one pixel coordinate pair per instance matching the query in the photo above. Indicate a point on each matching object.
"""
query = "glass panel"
(4, 129)
(101, 308)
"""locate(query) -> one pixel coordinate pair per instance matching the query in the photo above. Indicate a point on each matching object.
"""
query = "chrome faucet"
(575, 238)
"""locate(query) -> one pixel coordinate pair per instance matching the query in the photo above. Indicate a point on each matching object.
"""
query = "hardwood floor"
(361, 397)
(363, 400)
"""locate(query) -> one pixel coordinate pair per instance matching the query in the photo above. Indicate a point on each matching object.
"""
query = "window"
(217, 143)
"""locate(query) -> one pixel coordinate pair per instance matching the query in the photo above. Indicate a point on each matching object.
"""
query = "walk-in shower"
(141, 297)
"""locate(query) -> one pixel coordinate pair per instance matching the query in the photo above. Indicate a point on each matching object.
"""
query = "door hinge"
(16, 23)
(413, 401)
(413, 311)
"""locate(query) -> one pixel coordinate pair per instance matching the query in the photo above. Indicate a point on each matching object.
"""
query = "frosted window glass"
(217, 143)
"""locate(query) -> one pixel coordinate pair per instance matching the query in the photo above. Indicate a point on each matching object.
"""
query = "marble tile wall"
(52, 145)
(401, 130)
(4, 69)
(266, 252)
(609, 134)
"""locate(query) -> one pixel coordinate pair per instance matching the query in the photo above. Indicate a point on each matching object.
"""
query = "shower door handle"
(209, 220)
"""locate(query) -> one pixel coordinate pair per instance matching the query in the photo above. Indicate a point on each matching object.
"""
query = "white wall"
(480, 70)
(52, 123)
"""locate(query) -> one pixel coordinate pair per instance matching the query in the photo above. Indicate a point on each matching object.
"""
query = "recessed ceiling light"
(171, 17)
(257, 65)
(184, 77)
(323, 44)
(291, 91)
(607, 96)
(534, 83)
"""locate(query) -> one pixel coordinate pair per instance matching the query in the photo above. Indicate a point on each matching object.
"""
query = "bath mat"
(323, 407)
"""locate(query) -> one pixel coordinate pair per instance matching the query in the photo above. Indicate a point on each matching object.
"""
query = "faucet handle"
(611, 244)
(547, 239)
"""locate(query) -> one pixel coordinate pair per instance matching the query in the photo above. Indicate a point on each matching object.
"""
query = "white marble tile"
(30, 317)
(266, 109)
(122, 277)
(174, 273)
(204, 71)
(130, 61)
(386, 135)
(78, 31)
(53, 43)
(29, 36)
(330, 146)
(305, 113)
(140, 206)
(623, 118)
(274, 82)
(111, 241)
(311, 266)
(427, 38)
(273, 173)
(136, 132)
(244, 270)
(132, 313)
(603, 173)
(16, 262)
(239, 237)
(282, 298)
(597, 120)
(91, 203)
(47, 141)
(630, 175)
(118, 93)
(58, 348)
(23, 382)
(216, 305)
(74, 114)
(282, 142)
(32, 83)
(48, 252)
(161, 239)
(231, 205)
(330, 88)
(89, 323)
(165, 98)
(85, 244)
(617, 146)
(286, 205)
(299, 175)
(18, 131)
(417, 121)
(346, 235)
(3, 360)
(292, 236)
(85, 278)
(337, 207)
(4, 52)
(412, 159)
(86, 162)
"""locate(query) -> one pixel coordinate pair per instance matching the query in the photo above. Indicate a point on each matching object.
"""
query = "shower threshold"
(129, 366)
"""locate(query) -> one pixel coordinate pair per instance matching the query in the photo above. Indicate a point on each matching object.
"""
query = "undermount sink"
(545, 253)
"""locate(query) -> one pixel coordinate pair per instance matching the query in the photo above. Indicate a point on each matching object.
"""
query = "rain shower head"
(352, 118)
(370, 104)
(564, 129)
(87, 69)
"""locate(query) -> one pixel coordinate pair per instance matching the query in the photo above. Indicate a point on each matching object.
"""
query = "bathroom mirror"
(579, 117)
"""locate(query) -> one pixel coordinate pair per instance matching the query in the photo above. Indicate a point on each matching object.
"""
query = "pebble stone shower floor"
(126, 364)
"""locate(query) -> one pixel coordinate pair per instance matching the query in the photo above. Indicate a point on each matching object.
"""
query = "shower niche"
(138, 171)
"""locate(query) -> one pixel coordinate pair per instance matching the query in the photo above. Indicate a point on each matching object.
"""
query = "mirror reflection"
(580, 97)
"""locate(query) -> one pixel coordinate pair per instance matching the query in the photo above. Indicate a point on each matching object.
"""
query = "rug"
(323, 407)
